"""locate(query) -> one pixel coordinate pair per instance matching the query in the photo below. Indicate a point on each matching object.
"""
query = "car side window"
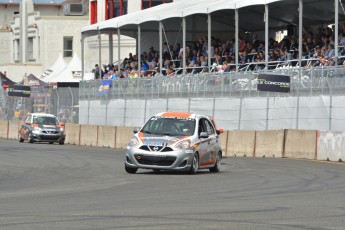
(209, 127)
(202, 127)
(28, 119)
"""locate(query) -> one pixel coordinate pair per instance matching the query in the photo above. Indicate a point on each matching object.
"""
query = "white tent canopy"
(58, 66)
(283, 12)
(72, 73)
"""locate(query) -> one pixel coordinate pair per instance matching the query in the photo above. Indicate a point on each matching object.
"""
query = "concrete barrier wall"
(300, 144)
(3, 129)
(123, 135)
(240, 143)
(106, 136)
(223, 137)
(72, 134)
(88, 135)
(331, 146)
(304, 144)
(269, 143)
(13, 128)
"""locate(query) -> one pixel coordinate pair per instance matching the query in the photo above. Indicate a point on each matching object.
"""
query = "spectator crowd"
(318, 49)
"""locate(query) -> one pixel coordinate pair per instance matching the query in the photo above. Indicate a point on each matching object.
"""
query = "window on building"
(115, 8)
(16, 50)
(30, 49)
(93, 12)
(151, 3)
(38, 47)
(67, 46)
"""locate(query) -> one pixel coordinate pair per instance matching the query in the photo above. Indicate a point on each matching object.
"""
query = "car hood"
(158, 140)
(49, 127)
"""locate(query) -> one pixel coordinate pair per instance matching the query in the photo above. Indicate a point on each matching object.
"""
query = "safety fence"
(304, 82)
(288, 143)
(62, 102)
(131, 101)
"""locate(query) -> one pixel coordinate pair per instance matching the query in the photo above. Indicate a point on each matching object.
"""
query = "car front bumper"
(171, 160)
(39, 136)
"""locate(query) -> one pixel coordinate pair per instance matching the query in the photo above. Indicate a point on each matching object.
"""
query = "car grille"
(50, 132)
(156, 148)
(49, 138)
(155, 160)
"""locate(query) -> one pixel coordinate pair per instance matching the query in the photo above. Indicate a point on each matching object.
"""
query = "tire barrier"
(289, 143)
(331, 146)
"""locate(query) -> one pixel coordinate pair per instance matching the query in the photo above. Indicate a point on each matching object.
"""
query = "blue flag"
(104, 88)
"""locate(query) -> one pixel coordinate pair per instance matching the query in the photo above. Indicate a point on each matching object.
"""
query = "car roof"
(42, 115)
(179, 115)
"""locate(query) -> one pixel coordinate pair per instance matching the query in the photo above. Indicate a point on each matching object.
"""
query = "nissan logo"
(138, 157)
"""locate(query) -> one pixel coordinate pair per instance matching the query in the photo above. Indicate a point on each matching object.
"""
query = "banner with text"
(274, 83)
(19, 91)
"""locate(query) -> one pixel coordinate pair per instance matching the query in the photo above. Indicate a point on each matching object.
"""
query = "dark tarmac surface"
(46, 186)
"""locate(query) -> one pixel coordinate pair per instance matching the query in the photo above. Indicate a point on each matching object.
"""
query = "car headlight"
(185, 144)
(37, 128)
(133, 142)
(62, 130)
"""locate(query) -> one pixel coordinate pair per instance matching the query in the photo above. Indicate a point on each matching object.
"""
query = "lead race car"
(175, 141)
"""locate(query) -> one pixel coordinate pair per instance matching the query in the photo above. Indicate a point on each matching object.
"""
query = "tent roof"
(58, 66)
(281, 13)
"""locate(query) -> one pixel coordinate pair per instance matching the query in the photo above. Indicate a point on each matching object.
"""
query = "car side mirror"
(27, 122)
(203, 135)
(136, 130)
(219, 131)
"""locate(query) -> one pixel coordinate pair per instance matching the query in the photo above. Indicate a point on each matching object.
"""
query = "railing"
(304, 81)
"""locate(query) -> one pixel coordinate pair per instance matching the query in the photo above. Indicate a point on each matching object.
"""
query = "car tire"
(51, 142)
(195, 164)
(31, 140)
(216, 167)
(61, 143)
(130, 169)
(21, 140)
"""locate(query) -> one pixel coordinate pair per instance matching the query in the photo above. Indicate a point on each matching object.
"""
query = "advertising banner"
(19, 90)
(274, 83)
(104, 88)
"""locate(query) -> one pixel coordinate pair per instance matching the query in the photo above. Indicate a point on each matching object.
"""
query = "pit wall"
(288, 143)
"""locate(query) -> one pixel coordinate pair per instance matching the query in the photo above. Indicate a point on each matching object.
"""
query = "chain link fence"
(304, 82)
(62, 102)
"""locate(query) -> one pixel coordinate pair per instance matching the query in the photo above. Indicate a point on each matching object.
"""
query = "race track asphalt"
(46, 186)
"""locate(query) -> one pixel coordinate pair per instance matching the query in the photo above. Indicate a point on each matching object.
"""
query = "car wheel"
(61, 143)
(21, 139)
(216, 167)
(51, 142)
(31, 140)
(130, 169)
(195, 164)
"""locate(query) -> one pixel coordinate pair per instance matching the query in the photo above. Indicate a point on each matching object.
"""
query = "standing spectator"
(96, 72)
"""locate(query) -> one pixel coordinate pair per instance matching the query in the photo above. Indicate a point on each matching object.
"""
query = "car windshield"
(169, 126)
(41, 120)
